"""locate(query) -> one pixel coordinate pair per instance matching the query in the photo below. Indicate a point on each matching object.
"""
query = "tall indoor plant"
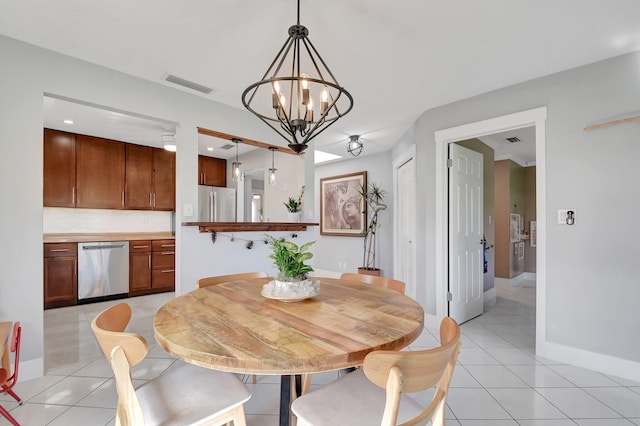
(373, 196)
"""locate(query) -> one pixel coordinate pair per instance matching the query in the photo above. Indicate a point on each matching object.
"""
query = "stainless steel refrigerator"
(216, 204)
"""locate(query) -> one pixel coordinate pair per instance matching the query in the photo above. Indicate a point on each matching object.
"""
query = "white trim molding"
(533, 117)
(606, 364)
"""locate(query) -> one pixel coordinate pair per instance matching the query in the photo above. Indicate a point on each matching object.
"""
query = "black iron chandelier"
(298, 96)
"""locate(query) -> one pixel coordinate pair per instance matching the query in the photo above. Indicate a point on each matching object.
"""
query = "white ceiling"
(397, 59)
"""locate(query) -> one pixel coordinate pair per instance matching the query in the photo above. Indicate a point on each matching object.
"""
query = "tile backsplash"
(67, 220)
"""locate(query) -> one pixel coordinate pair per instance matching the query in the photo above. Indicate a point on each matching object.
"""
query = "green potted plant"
(290, 259)
(373, 196)
(294, 206)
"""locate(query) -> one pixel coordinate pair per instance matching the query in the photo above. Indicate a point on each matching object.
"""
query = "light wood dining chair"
(219, 279)
(185, 394)
(396, 285)
(378, 393)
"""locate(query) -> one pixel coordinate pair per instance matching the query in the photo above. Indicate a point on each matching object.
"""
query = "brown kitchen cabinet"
(59, 169)
(149, 178)
(151, 266)
(164, 180)
(99, 173)
(163, 265)
(212, 171)
(60, 274)
(139, 267)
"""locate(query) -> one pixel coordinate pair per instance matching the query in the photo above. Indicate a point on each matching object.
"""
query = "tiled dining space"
(498, 380)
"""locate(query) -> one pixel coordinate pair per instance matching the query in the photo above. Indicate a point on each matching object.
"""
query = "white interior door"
(406, 225)
(465, 234)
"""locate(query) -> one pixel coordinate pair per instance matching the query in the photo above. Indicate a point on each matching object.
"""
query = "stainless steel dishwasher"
(103, 270)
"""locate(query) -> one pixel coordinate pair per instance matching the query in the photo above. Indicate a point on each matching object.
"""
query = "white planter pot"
(294, 217)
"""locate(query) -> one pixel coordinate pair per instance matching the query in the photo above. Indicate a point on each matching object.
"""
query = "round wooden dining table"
(232, 327)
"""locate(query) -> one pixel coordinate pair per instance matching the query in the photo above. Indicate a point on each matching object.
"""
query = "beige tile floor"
(498, 381)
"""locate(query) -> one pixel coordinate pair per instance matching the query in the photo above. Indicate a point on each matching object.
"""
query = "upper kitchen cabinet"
(212, 171)
(164, 180)
(138, 193)
(59, 169)
(100, 173)
(150, 176)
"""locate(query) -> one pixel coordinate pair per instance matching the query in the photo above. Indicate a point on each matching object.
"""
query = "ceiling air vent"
(226, 146)
(186, 83)
(514, 139)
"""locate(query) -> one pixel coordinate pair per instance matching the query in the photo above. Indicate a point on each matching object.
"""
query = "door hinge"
(449, 162)
(449, 296)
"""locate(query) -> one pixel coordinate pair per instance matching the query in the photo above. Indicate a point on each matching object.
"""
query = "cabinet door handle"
(168, 245)
(73, 195)
(150, 202)
(167, 271)
(138, 247)
(149, 260)
(154, 199)
(167, 252)
(122, 198)
(59, 250)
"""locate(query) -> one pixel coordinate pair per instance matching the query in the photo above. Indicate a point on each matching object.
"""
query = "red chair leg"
(8, 416)
(13, 394)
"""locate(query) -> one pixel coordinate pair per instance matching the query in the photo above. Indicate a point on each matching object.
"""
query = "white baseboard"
(606, 364)
(31, 369)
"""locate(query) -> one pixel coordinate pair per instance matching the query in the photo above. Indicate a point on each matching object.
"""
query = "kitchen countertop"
(106, 236)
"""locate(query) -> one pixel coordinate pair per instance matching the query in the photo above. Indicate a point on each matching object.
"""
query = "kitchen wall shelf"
(249, 226)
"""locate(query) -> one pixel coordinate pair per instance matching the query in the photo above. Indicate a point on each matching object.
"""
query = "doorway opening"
(536, 118)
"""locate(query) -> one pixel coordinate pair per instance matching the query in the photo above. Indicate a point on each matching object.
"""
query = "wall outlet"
(187, 210)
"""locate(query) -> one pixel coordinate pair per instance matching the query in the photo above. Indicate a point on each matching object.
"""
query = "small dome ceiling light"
(169, 142)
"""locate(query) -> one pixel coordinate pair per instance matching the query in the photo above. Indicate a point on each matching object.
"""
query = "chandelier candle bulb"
(309, 115)
(324, 105)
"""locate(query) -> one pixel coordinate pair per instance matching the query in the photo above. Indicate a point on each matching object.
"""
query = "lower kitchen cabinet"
(151, 267)
(163, 265)
(60, 275)
(139, 266)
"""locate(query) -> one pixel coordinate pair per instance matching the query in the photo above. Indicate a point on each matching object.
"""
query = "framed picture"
(514, 227)
(520, 250)
(534, 234)
(342, 210)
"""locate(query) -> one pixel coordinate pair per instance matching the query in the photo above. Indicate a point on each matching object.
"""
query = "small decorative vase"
(294, 217)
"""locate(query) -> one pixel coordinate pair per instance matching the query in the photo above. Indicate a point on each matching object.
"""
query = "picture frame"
(534, 234)
(342, 209)
(514, 227)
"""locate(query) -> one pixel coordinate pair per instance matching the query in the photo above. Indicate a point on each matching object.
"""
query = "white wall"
(344, 254)
(592, 280)
(26, 74)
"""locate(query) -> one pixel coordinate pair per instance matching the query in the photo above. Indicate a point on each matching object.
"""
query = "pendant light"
(235, 166)
(272, 170)
(295, 84)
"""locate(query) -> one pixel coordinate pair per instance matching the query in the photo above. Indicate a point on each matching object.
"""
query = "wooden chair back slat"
(396, 285)
(109, 327)
(209, 281)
